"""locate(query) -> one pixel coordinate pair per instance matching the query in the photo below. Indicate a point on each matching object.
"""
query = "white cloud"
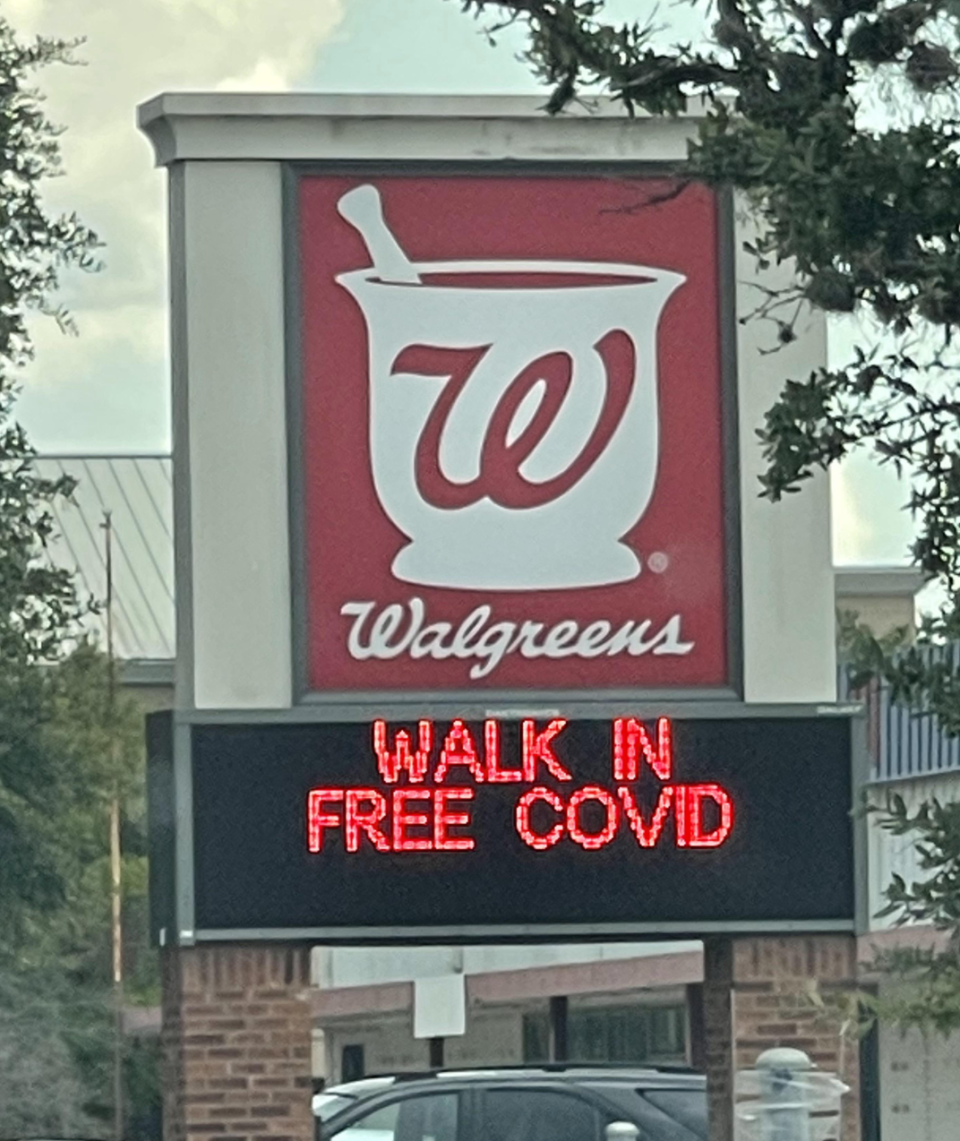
(134, 49)
(267, 75)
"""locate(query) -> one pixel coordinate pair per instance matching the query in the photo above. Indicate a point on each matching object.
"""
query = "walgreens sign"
(511, 422)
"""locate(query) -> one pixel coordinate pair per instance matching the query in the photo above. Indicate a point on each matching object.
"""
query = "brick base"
(236, 1043)
(764, 992)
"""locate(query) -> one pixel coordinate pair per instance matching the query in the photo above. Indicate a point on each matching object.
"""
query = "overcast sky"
(107, 391)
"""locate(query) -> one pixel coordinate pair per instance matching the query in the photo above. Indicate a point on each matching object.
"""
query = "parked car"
(530, 1103)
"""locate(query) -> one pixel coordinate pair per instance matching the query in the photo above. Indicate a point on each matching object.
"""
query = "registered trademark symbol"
(658, 562)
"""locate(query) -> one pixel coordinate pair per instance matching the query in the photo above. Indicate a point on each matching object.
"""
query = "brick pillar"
(791, 991)
(236, 1043)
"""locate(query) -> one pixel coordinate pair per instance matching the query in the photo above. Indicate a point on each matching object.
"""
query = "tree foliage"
(928, 977)
(837, 122)
(66, 747)
(35, 247)
(55, 965)
(94, 739)
(39, 608)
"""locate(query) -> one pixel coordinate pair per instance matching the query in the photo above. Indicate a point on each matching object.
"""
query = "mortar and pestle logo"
(513, 410)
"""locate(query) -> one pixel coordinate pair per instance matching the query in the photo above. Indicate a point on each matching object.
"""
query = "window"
(351, 1063)
(686, 1106)
(380, 1125)
(612, 1034)
(429, 1118)
(327, 1105)
(536, 1037)
(663, 1114)
(538, 1115)
(432, 1117)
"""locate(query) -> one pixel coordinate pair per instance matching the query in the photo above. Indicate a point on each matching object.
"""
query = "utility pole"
(115, 865)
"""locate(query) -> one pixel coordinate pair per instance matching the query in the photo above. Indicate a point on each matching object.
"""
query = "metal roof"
(137, 491)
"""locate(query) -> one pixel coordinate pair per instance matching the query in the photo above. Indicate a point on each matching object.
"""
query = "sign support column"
(765, 992)
(237, 1042)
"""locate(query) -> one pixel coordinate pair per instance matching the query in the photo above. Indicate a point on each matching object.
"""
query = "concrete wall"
(882, 614)
(359, 966)
(493, 1037)
(919, 1086)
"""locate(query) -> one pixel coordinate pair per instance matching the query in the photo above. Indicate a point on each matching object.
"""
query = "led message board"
(395, 830)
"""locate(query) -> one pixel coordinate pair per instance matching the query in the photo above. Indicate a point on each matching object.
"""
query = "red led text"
(397, 759)
(404, 820)
(432, 780)
(684, 802)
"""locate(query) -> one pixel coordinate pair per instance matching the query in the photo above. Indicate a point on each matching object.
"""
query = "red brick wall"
(236, 1043)
(171, 1035)
(765, 992)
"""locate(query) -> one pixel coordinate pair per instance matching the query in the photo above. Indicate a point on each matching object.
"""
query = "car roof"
(588, 1074)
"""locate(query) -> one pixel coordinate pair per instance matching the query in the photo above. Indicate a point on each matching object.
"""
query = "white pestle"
(362, 208)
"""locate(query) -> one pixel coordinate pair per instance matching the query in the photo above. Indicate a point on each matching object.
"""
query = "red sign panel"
(511, 432)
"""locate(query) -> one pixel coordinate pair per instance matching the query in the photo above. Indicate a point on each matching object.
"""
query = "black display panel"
(692, 824)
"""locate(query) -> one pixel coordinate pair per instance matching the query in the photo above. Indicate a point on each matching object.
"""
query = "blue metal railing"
(904, 742)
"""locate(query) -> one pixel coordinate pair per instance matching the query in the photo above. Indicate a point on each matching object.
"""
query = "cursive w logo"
(514, 427)
(501, 458)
